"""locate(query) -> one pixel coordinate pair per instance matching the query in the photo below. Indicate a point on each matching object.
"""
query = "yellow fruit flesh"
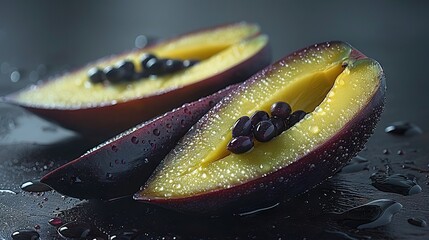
(316, 84)
(219, 49)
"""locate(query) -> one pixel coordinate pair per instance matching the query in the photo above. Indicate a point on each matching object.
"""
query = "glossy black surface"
(44, 38)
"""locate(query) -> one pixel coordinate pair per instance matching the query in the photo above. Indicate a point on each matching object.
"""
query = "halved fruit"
(341, 89)
(121, 165)
(226, 54)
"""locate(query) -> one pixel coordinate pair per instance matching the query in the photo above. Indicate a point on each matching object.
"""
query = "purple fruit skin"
(305, 173)
(119, 167)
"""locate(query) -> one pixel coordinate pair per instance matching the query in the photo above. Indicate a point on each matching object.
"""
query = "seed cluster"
(125, 71)
(262, 127)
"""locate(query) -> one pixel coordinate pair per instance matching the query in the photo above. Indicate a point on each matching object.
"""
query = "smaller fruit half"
(227, 54)
(341, 90)
(118, 167)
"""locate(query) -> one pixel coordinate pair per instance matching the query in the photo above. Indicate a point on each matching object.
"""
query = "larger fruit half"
(227, 54)
(343, 92)
(121, 165)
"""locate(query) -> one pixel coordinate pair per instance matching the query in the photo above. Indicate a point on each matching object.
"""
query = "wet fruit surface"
(145, 83)
(323, 135)
(305, 218)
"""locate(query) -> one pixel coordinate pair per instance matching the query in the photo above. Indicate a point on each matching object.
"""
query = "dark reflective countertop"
(44, 38)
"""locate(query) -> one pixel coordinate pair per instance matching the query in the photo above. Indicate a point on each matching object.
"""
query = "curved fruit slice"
(121, 165)
(226, 54)
(343, 92)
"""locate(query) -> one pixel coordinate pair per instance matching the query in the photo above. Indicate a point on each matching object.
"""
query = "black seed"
(189, 63)
(172, 65)
(240, 144)
(126, 70)
(139, 75)
(281, 110)
(294, 118)
(112, 74)
(155, 66)
(279, 124)
(259, 116)
(264, 131)
(25, 234)
(96, 75)
(242, 127)
(145, 58)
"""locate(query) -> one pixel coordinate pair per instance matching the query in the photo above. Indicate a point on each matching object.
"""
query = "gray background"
(65, 35)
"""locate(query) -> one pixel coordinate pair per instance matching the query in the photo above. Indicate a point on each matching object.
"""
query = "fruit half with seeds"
(85, 103)
(121, 165)
(340, 89)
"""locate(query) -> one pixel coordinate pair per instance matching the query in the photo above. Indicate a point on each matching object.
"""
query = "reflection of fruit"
(226, 54)
(341, 90)
(120, 166)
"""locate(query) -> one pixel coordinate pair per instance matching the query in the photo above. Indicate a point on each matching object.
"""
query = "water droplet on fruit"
(417, 222)
(56, 222)
(314, 129)
(35, 186)
(156, 132)
(341, 82)
(396, 183)
(25, 234)
(371, 215)
(114, 148)
(134, 140)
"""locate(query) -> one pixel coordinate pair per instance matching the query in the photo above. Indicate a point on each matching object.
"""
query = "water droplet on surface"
(403, 128)
(417, 222)
(109, 176)
(156, 132)
(371, 215)
(357, 164)
(7, 191)
(258, 210)
(35, 186)
(124, 235)
(74, 230)
(141, 41)
(25, 234)
(333, 235)
(15, 76)
(396, 183)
